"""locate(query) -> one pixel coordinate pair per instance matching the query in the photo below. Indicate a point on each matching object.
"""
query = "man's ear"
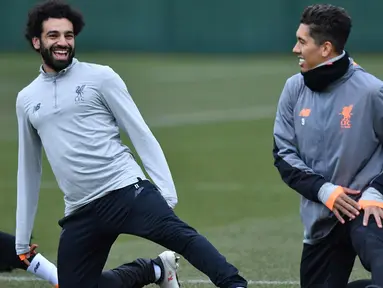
(36, 43)
(327, 48)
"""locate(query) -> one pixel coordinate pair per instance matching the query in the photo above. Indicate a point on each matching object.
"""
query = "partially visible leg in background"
(368, 243)
(8, 257)
(39, 266)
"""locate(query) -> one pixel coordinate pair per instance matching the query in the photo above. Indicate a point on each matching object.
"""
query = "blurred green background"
(206, 76)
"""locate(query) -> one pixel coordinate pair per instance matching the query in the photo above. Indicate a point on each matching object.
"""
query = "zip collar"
(332, 60)
(54, 75)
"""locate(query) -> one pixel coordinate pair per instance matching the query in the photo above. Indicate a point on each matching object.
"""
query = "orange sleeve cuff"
(364, 203)
(331, 200)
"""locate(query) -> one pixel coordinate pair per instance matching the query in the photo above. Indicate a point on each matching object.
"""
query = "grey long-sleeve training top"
(76, 115)
(330, 138)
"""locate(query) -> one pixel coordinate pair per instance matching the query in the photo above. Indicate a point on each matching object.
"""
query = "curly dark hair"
(328, 23)
(51, 9)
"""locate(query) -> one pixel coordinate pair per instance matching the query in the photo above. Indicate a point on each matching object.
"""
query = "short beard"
(51, 62)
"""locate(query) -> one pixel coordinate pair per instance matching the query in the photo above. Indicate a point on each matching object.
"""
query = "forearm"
(28, 179)
(297, 175)
(377, 183)
(372, 195)
(156, 165)
(27, 202)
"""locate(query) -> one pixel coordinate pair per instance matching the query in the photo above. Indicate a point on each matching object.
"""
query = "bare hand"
(373, 210)
(346, 205)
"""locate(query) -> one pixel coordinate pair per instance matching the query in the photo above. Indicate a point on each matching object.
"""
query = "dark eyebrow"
(57, 32)
(301, 39)
(52, 32)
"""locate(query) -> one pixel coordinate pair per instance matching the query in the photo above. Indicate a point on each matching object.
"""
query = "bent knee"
(368, 244)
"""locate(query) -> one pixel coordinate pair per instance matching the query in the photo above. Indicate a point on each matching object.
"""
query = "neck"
(327, 73)
(332, 58)
(48, 69)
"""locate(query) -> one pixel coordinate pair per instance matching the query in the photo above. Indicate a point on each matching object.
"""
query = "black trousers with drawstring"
(329, 263)
(139, 209)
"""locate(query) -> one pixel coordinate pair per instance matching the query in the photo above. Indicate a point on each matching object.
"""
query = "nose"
(296, 49)
(62, 41)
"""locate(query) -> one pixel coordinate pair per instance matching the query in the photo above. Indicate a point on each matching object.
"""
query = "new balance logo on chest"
(36, 108)
(305, 112)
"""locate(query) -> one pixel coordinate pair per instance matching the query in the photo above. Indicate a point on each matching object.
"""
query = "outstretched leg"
(150, 217)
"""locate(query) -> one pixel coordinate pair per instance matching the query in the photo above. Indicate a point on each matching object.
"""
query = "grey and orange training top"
(330, 139)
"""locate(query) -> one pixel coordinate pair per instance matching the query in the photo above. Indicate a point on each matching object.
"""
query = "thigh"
(368, 243)
(329, 263)
(83, 251)
(151, 218)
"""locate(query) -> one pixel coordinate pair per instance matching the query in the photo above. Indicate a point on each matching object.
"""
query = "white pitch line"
(4, 278)
(250, 282)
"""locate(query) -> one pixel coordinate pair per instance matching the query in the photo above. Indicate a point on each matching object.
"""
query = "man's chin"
(61, 59)
(306, 69)
(59, 65)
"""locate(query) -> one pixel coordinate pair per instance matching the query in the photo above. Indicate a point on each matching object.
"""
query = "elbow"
(277, 158)
(172, 202)
(175, 201)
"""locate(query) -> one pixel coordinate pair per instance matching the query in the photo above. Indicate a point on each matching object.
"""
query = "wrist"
(371, 197)
(22, 249)
(328, 193)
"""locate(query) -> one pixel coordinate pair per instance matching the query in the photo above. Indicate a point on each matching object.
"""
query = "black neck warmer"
(321, 77)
